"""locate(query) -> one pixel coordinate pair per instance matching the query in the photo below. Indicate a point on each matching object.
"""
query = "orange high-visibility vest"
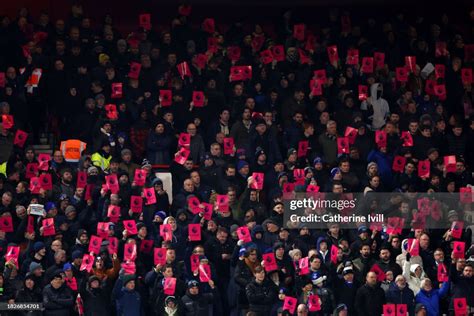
(72, 149)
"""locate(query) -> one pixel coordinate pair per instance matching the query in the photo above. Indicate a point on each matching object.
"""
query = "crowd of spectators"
(240, 117)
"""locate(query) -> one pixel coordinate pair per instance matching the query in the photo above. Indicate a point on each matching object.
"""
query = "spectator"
(430, 297)
(370, 297)
(57, 297)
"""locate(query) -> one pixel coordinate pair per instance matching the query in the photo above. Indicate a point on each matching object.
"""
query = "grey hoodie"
(379, 106)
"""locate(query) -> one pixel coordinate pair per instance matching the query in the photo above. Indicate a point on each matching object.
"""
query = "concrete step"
(43, 149)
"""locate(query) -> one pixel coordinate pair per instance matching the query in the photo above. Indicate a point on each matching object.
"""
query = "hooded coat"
(409, 273)
(375, 107)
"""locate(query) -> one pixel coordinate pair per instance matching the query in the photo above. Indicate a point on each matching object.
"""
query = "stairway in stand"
(45, 145)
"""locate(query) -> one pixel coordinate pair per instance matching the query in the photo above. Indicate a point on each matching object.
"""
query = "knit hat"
(157, 181)
(35, 265)
(317, 160)
(371, 164)
(146, 163)
(161, 214)
(277, 246)
(38, 246)
(76, 254)
(49, 206)
(334, 171)
(69, 209)
(452, 213)
(206, 156)
(93, 278)
(125, 151)
(128, 278)
(347, 270)
(193, 283)
(81, 232)
(291, 151)
(259, 151)
(241, 164)
(92, 169)
(320, 279)
(67, 266)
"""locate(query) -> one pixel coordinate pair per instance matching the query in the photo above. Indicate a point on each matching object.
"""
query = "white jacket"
(414, 283)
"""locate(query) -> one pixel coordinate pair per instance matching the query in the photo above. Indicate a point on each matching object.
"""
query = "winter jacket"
(197, 305)
(57, 302)
(96, 302)
(26, 295)
(127, 303)
(409, 273)
(261, 296)
(406, 296)
(369, 300)
(159, 148)
(461, 287)
(431, 299)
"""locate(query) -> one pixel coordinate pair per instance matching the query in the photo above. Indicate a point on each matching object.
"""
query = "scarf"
(170, 311)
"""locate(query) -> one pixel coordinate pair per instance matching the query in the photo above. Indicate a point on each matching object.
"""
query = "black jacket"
(57, 302)
(261, 296)
(197, 305)
(369, 300)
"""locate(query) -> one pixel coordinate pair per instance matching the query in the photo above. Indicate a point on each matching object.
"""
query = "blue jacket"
(431, 299)
(404, 296)
(127, 303)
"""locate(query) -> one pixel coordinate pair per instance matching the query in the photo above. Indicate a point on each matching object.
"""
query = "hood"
(413, 267)
(320, 240)
(257, 229)
(373, 91)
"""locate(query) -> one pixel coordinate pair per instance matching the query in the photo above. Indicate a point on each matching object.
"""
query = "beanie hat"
(76, 254)
(35, 265)
(69, 209)
(81, 232)
(38, 246)
(161, 214)
(334, 171)
(67, 266)
(145, 163)
(241, 164)
(92, 169)
(49, 206)
(127, 278)
(125, 151)
(93, 278)
(156, 181)
(371, 164)
(317, 160)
